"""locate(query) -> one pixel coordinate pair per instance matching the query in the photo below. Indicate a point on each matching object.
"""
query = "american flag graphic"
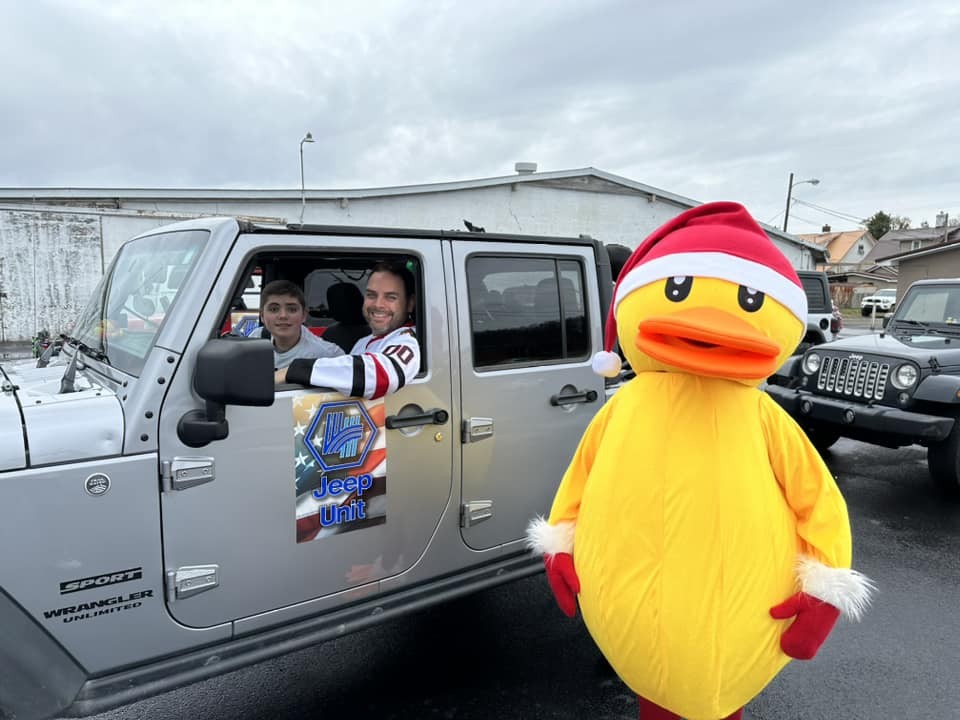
(340, 464)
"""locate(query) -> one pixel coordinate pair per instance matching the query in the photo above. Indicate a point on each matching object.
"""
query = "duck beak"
(709, 342)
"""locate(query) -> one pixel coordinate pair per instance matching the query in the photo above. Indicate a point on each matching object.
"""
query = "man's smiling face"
(386, 305)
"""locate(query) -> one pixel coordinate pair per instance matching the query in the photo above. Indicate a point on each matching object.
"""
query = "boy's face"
(386, 305)
(282, 316)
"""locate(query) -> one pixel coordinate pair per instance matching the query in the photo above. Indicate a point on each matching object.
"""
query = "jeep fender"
(789, 369)
(943, 389)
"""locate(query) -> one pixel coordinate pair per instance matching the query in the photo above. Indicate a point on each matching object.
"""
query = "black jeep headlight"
(904, 377)
(811, 363)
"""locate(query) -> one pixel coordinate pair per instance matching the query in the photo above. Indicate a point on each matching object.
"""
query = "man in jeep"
(383, 361)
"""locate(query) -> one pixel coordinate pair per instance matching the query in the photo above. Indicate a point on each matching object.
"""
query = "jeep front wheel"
(822, 439)
(943, 460)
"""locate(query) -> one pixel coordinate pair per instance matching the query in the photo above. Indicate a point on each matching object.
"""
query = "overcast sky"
(713, 100)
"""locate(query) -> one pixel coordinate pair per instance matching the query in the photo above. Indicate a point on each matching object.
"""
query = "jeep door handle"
(586, 396)
(430, 417)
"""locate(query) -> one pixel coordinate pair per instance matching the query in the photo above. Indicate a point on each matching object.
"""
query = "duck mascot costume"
(700, 530)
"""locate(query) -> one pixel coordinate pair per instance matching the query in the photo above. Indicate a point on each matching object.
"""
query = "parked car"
(894, 388)
(881, 301)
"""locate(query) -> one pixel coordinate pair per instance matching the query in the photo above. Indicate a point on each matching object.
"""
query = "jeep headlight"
(811, 363)
(905, 377)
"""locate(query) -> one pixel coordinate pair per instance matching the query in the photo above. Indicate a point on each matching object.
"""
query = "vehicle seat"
(345, 305)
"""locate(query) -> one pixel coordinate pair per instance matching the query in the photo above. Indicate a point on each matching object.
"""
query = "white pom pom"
(606, 364)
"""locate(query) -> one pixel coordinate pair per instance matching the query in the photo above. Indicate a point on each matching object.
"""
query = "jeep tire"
(822, 439)
(943, 460)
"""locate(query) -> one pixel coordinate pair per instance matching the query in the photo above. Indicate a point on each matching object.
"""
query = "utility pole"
(786, 213)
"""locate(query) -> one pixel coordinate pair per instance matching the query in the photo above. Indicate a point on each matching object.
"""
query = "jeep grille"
(864, 379)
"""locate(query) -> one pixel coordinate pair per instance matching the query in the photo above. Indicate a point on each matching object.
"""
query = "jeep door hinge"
(475, 429)
(475, 512)
(182, 473)
(191, 580)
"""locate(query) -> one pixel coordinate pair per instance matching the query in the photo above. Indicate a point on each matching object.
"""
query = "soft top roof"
(297, 229)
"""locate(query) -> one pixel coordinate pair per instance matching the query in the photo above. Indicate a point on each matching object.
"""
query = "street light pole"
(786, 212)
(303, 192)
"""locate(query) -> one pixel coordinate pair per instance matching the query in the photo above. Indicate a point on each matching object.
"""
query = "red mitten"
(563, 581)
(815, 620)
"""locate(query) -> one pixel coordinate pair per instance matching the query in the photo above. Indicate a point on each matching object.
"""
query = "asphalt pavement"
(508, 653)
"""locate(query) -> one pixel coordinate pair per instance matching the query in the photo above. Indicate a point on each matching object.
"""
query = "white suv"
(883, 300)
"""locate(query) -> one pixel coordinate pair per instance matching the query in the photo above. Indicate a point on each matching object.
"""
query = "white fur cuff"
(550, 539)
(847, 590)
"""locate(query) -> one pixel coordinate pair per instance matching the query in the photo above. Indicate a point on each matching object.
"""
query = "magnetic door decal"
(340, 464)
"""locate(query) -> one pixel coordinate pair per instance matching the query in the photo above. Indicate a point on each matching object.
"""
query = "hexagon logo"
(340, 435)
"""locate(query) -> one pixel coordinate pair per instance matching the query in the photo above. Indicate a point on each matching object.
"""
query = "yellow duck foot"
(652, 711)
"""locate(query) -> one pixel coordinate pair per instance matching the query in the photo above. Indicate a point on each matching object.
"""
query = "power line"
(829, 211)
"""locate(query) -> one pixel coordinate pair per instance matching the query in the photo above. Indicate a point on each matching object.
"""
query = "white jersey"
(308, 346)
(376, 366)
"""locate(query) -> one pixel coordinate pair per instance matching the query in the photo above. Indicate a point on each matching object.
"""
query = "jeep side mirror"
(229, 371)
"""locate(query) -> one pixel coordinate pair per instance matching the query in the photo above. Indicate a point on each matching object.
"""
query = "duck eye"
(750, 300)
(678, 287)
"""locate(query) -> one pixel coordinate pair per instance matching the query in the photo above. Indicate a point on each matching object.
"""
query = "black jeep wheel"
(822, 439)
(943, 460)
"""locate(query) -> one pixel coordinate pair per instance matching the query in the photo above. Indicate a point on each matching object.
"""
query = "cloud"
(708, 100)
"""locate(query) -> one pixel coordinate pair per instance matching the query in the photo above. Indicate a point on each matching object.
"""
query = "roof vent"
(825, 228)
(525, 168)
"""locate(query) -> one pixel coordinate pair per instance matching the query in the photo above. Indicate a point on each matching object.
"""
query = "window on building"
(915, 245)
(860, 249)
(526, 310)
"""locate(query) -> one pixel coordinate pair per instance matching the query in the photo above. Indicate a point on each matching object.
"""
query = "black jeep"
(895, 388)
(820, 320)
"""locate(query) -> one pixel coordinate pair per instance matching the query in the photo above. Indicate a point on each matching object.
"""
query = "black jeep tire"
(943, 460)
(822, 439)
(865, 312)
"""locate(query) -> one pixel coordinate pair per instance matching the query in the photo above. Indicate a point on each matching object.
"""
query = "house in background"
(846, 250)
(925, 253)
(851, 264)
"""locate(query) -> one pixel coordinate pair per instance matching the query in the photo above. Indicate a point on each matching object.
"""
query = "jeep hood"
(42, 426)
(919, 348)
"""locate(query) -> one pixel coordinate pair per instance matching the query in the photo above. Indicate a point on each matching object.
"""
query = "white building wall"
(51, 259)
(527, 208)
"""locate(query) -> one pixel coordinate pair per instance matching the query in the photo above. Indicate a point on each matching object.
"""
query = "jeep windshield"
(934, 309)
(131, 301)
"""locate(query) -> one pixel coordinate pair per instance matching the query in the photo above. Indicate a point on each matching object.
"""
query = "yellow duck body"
(692, 495)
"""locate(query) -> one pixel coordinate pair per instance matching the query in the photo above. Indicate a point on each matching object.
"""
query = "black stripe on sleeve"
(401, 376)
(359, 376)
(300, 371)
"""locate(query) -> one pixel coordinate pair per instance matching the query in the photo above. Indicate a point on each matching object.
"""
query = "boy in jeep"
(283, 310)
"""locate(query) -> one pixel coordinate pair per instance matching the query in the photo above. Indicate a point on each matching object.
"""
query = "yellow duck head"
(708, 294)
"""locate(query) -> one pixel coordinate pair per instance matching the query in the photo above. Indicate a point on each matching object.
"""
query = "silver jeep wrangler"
(167, 514)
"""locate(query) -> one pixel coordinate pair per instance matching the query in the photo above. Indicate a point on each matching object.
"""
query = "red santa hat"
(717, 240)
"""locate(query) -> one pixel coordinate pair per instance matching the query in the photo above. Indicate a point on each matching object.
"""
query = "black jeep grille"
(853, 377)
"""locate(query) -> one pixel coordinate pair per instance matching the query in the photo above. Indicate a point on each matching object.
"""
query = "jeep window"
(933, 304)
(130, 304)
(817, 292)
(333, 285)
(526, 310)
